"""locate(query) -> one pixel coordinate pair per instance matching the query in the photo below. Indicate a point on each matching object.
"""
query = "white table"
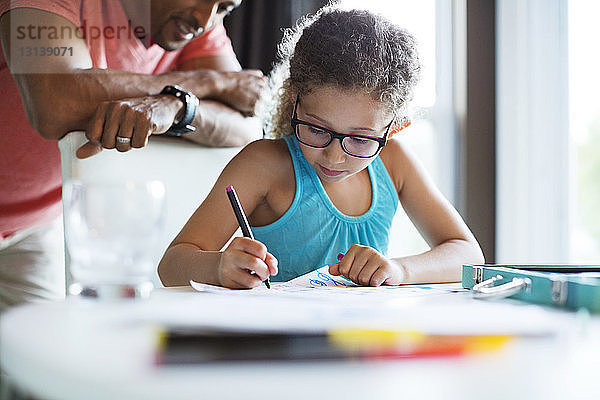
(90, 350)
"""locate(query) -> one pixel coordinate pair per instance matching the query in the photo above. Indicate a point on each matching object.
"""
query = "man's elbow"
(49, 105)
(245, 134)
(239, 132)
(46, 126)
(230, 131)
(54, 117)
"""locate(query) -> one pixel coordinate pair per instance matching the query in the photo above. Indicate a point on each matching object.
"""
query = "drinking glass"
(113, 232)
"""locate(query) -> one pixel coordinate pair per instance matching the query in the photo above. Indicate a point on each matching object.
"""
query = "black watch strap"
(190, 102)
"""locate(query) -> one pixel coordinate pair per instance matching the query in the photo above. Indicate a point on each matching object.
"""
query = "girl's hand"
(366, 266)
(245, 263)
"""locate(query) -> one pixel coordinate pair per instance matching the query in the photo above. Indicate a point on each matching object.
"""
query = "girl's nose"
(334, 152)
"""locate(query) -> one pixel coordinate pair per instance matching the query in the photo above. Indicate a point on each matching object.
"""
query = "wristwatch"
(191, 104)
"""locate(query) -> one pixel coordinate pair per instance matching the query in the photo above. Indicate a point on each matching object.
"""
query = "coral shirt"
(30, 173)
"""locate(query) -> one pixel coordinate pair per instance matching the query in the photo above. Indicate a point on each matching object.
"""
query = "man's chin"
(170, 45)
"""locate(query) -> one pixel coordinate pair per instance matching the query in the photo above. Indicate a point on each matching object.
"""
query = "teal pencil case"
(567, 286)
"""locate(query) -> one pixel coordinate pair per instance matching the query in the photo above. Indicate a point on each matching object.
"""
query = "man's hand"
(240, 90)
(127, 123)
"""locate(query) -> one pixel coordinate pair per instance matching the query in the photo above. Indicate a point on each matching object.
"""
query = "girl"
(331, 180)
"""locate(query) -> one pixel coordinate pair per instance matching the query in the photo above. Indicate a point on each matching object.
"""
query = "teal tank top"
(313, 232)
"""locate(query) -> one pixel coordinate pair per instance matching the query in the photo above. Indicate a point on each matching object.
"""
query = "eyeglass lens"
(353, 145)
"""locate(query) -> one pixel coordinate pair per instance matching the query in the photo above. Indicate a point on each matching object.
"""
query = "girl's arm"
(195, 253)
(442, 227)
(452, 243)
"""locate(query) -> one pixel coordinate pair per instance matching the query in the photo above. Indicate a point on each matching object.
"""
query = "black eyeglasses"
(360, 146)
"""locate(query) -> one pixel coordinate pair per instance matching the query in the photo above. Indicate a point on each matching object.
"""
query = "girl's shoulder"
(265, 151)
(265, 157)
(400, 162)
(394, 156)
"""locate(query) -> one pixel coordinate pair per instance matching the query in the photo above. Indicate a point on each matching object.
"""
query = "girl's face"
(346, 112)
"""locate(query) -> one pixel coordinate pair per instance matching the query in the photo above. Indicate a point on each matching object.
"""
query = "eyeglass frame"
(382, 141)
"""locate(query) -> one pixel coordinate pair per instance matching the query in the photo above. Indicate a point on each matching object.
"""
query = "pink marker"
(340, 256)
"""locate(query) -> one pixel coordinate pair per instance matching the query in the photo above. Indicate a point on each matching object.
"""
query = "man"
(121, 70)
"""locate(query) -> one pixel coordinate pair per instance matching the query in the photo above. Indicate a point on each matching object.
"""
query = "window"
(532, 121)
(584, 130)
(548, 132)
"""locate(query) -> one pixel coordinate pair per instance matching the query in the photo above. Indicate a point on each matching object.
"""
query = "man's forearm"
(59, 103)
(63, 94)
(220, 126)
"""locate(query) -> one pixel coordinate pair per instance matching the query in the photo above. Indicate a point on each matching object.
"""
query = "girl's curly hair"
(348, 49)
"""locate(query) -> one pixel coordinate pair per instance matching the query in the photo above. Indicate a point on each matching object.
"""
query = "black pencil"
(241, 218)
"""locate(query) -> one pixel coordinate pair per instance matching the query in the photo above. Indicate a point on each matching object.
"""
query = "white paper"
(320, 285)
(314, 279)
